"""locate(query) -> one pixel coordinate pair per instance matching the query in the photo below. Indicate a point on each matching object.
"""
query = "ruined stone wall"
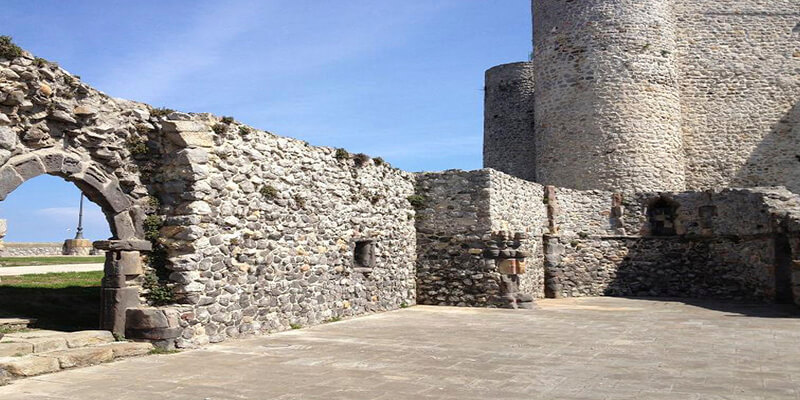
(516, 205)
(274, 227)
(52, 123)
(508, 120)
(607, 103)
(28, 249)
(457, 228)
(722, 246)
(452, 218)
(740, 92)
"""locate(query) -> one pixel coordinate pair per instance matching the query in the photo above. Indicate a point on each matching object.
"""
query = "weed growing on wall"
(8, 49)
(341, 154)
(417, 201)
(219, 129)
(360, 159)
(161, 112)
(136, 146)
(269, 192)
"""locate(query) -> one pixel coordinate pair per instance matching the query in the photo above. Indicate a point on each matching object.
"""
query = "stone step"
(10, 324)
(43, 341)
(53, 361)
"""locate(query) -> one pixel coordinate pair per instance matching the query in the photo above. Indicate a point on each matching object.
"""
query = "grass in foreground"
(53, 280)
(29, 261)
(67, 301)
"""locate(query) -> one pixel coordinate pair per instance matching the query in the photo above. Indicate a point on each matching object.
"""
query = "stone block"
(130, 263)
(146, 318)
(14, 98)
(80, 357)
(28, 167)
(9, 349)
(184, 126)
(8, 138)
(46, 343)
(192, 139)
(114, 305)
(84, 111)
(115, 197)
(29, 365)
(88, 338)
(130, 349)
(71, 165)
(53, 162)
(511, 267)
(123, 226)
(151, 324)
(9, 180)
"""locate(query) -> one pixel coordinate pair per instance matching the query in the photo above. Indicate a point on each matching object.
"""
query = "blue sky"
(400, 79)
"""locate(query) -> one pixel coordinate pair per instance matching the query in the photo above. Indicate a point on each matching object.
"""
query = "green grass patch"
(158, 350)
(29, 261)
(68, 301)
(54, 280)
(8, 329)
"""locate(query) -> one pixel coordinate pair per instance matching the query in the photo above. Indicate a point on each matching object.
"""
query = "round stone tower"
(508, 120)
(607, 104)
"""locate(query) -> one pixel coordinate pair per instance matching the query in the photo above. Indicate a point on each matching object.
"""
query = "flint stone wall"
(516, 206)
(454, 228)
(724, 244)
(740, 92)
(265, 236)
(29, 249)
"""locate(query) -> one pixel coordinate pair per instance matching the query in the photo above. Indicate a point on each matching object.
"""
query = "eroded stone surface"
(29, 365)
(81, 357)
(88, 338)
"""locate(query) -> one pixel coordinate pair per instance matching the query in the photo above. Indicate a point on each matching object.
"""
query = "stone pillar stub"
(115, 302)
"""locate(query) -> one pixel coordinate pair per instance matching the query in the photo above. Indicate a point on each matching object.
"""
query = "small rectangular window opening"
(364, 255)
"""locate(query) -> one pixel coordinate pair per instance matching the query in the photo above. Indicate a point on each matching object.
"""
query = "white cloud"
(150, 73)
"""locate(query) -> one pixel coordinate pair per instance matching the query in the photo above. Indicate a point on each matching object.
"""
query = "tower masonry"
(656, 95)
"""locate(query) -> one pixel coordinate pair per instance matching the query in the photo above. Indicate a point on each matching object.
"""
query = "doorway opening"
(49, 273)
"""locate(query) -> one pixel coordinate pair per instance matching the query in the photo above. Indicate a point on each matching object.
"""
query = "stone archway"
(120, 288)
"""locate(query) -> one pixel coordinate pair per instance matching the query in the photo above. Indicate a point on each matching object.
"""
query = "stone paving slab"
(591, 348)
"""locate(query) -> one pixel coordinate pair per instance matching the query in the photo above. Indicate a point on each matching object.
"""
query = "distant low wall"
(28, 249)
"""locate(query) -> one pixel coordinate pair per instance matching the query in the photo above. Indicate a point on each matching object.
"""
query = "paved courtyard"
(592, 348)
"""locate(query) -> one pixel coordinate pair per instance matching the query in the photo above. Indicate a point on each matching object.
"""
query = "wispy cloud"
(151, 72)
(223, 46)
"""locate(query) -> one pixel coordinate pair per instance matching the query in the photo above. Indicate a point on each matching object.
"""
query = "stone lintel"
(123, 245)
